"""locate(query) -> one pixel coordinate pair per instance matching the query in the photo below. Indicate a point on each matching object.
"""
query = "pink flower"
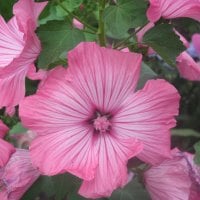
(90, 120)
(187, 66)
(17, 176)
(169, 9)
(19, 47)
(6, 149)
(175, 178)
(77, 24)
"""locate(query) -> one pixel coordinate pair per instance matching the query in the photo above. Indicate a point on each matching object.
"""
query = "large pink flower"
(169, 9)
(19, 47)
(175, 178)
(6, 149)
(90, 120)
(17, 176)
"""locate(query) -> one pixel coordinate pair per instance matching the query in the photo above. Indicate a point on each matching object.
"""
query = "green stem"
(101, 30)
(93, 30)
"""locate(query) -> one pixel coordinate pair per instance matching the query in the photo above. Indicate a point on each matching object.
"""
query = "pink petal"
(108, 70)
(169, 180)
(187, 67)
(18, 175)
(112, 171)
(11, 43)
(77, 24)
(183, 40)
(170, 9)
(6, 149)
(196, 42)
(25, 10)
(39, 75)
(3, 129)
(148, 115)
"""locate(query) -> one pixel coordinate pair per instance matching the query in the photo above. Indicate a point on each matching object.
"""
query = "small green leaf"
(71, 5)
(124, 15)
(197, 153)
(18, 128)
(185, 133)
(165, 42)
(57, 37)
(146, 74)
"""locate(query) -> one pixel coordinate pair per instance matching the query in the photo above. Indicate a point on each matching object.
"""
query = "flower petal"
(103, 76)
(187, 67)
(112, 170)
(6, 149)
(148, 115)
(11, 43)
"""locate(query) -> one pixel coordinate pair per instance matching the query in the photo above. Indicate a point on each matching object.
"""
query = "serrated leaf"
(57, 38)
(132, 191)
(146, 74)
(165, 42)
(185, 133)
(124, 15)
(197, 153)
(18, 128)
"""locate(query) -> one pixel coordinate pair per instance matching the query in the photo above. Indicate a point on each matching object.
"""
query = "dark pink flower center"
(102, 124)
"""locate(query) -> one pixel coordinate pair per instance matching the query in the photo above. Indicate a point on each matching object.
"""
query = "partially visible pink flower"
(90, 120)
(6, 149)
(77, 24)
(175, 178)
(17, 176)
(169, 9)
(19, 48)
(186, 65)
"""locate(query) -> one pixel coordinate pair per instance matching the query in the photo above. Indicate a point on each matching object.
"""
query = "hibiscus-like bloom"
(19, 47)
(188, 61)
(17, 176)
(169, 9)
(90, 120)
(6, 149)
(175, 178)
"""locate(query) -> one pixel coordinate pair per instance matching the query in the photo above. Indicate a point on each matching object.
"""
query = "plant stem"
(101, 30)
(93, 30)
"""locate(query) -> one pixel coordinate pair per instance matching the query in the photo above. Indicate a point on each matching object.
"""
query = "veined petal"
(112, 171)
(169, 9)
(25, 10)
(6, 149)
(103, 76)
(11, 42)
(70, 150)
(12, 86)
(187, 67)
(149, 115)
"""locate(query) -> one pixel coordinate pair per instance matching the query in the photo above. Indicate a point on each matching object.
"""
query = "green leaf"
(165, 42)
(57, 38)
(124, 15)
(185, 133)
(134, 190)
(71, 5)
(146, 74)
(6, 8)
(197, 153)
(18, 128)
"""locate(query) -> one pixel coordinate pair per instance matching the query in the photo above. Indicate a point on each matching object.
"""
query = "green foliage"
(124, 15)
(17, 128)
(6, 8)
(57, 37)
(71, 5)
(133, 190)
(185, 132)
(146, 74)
(197, 153)
(165, 42)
